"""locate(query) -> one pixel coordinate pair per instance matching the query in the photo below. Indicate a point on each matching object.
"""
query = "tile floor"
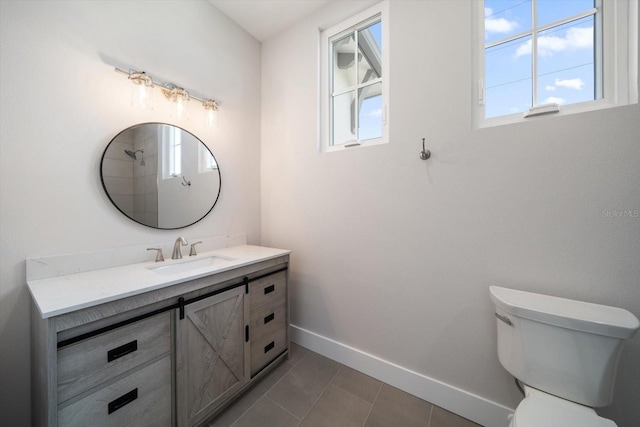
(311, 390)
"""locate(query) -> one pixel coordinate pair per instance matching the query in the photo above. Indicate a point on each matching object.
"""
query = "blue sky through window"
(376, 31)
(565, 55)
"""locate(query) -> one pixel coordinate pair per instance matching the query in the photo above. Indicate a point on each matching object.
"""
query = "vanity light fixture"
(212, 112)
(141, 92)
(141, 95)
(178, 95)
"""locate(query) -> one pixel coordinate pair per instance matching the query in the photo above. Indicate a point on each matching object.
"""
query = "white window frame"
(380, 10)
(619, 20)
(206, 161)
(171, 152)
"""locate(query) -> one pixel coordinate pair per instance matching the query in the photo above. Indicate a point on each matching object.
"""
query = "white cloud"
(576, 84)
(497, 25)
(550, 88)
(524, 49)
(554, 100)
(575, 38)
(374, 113)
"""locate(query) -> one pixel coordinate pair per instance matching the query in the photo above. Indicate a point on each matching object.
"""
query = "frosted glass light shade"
(141, 91)
(211, 108)
(181, 107)
(212, 118)
(141, 98)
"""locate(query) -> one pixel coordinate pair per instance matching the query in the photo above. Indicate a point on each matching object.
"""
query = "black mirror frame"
(141, 223)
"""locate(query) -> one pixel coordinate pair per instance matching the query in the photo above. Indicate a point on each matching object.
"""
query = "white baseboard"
(463, 403)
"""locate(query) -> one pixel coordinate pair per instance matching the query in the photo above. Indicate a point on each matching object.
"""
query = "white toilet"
(565, 353)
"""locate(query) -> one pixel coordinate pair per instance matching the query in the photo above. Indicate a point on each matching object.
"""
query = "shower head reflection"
(132, 154)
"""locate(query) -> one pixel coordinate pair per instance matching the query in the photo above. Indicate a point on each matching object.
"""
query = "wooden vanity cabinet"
(142, 398)
(211, 354)
(268, 319)
(117, 378)
(175, 356)
(224, 339)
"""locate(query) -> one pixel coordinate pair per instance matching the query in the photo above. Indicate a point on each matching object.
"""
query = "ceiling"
(265, 18)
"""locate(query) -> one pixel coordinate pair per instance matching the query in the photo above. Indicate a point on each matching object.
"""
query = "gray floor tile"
(302, 386)
(296, 353)
(394, 407)
(355, 382)
(326, 393)
(236, 409)
(266, 413)
(337, 407)
(443, 418)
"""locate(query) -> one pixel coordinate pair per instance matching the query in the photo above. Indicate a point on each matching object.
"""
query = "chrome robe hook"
(424, 154)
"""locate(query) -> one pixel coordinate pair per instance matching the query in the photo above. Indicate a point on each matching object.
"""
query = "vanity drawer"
(95, 360)
(267, 348)
(140, 399)
(267, 320)
(268, 290)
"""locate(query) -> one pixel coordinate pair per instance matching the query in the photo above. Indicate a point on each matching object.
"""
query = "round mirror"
(160, 175)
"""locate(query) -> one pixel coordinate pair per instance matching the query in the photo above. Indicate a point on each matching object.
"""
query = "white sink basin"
(190, 264)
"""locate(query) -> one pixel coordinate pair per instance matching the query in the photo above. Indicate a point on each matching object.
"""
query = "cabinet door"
(211, 354)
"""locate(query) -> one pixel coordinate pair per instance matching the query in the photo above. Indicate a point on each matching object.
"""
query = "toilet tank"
(564, 347)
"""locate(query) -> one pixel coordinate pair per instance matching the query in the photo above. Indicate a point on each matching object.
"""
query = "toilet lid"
(542, 409)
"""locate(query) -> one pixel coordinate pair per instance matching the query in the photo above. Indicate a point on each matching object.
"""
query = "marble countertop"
(66, 293)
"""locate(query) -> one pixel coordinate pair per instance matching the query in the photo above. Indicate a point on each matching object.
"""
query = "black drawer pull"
(123, 350)
(269, 346)
(123, 400)
(269, 318)
(269, 289)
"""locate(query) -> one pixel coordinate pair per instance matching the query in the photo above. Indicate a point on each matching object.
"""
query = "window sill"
(565, 110)
(354, 145)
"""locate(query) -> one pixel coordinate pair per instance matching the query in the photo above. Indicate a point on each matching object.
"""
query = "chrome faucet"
(159, 256)
(193, 251)
(177, 253)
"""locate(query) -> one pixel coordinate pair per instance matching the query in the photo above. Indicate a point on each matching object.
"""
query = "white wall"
(61, 103)
(394, 256)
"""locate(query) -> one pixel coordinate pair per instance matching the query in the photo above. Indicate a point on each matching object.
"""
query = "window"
(171, 152)
(554, 56)
(206, 162)
(353, 81)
